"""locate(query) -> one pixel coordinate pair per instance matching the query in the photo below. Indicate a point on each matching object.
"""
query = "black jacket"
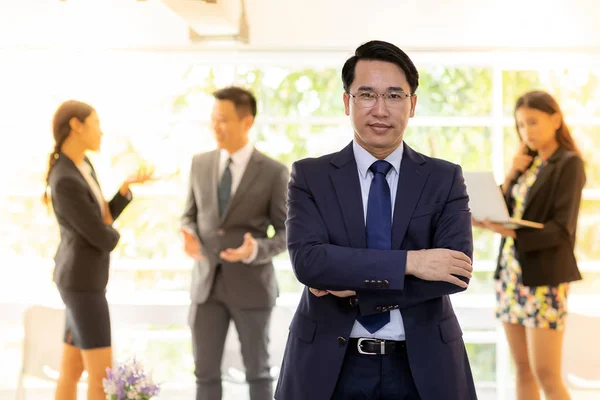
(547, 255)
(83, 255)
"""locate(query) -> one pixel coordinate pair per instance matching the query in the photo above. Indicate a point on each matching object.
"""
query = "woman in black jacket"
(535, 266)
(86, 240)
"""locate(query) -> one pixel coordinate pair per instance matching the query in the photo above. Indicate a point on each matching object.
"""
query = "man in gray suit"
(235, 193)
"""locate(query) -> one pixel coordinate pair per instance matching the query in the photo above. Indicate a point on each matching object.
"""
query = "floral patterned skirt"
(531, 306)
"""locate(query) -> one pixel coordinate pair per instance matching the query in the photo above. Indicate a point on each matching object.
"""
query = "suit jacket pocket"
(428, 209)
(450, 329)
(303, 328)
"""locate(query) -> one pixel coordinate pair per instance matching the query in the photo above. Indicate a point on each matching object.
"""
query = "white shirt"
(86, 171)
(239, 162)
(394, 330)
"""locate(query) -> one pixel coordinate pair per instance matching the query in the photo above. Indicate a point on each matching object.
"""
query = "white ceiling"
(306, 24)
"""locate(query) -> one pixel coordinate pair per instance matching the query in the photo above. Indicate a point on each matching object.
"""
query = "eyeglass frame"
(385, 96)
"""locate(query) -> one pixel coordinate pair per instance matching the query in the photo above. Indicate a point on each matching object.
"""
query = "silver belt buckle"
(361, 351)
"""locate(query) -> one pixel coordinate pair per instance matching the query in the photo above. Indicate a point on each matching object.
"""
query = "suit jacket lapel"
(347, 188)
(250, 174)
(542, 179)
(208, 176)
(410, 185)
(72, 165)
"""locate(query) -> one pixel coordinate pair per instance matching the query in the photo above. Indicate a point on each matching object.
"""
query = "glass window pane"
(28, 228)
(289, 92)
(470, 147)
(588, 233)
(482, 282)
(290, 142)
(451, 92)
(482, 357)
(588, 142)
(511, 146)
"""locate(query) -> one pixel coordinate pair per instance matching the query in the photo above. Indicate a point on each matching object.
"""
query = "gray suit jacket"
(259, 201)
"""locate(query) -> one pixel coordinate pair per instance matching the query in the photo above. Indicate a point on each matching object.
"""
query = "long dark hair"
(544, 102)
(61, 129)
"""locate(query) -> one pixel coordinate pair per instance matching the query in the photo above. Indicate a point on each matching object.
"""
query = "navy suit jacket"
(327, 246)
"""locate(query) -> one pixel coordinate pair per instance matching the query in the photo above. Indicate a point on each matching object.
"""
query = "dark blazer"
(327, 245)
(547, 255)
(82, 258)
(258, 202)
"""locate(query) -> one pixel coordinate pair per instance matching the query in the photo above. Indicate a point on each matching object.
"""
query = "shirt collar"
(364, 159)
(240, 157)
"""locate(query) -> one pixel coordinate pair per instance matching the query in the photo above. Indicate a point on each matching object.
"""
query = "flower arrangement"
(129, 382)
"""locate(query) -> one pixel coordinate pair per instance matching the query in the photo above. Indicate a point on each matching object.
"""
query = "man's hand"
(108, 219)
(439, 265)
(336, 293)
(191, 245)
(241, 253)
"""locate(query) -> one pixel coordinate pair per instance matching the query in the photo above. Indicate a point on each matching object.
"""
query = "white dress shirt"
(394, 330)
(239, 162)
(86, 171)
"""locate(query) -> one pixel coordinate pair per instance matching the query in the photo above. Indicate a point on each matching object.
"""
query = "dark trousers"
(209, 323)
(375, 377)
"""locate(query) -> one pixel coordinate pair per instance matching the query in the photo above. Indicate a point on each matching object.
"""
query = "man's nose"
(380, 108)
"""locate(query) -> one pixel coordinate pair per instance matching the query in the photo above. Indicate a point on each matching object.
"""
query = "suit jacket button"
(386, 283)
(353, 301)
(378, 308)
(341, 340)
(373, 283)
(367, 282)
(220, 232)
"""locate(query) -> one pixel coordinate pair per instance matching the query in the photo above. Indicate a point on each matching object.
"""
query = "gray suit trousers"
(209, 323)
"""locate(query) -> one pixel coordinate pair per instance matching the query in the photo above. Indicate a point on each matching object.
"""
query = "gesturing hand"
(241, 253)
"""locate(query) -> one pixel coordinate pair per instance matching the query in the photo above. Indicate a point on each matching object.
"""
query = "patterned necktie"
(224, 189)
(379, 230)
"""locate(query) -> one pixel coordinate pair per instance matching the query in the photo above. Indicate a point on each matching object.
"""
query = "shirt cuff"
(252, 257)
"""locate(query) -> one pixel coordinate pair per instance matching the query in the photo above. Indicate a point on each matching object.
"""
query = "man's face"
(231, 131)
(379, 126)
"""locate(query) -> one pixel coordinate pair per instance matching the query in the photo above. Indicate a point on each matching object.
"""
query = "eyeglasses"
(369, 99)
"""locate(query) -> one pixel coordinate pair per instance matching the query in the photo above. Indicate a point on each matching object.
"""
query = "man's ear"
(248, 121)
(346, 99)
(413, 105)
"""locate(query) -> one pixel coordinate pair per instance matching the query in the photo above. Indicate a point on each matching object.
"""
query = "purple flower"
(129, 379)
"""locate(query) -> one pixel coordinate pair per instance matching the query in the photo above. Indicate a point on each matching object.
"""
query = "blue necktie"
(379, 230)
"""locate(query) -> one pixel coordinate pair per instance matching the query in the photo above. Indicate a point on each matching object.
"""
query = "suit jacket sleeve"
(319, 264)
(270, 247)
(566, 202)
(72, 203)
(190, 212)
(118, 203)
(453, 231)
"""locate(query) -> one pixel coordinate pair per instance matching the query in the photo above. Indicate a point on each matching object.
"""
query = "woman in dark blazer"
(535, 266)
(86, 240)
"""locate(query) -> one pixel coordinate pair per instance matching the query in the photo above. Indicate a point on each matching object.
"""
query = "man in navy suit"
(381, 236)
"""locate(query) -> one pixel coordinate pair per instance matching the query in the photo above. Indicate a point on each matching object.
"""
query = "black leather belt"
(372, 347)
